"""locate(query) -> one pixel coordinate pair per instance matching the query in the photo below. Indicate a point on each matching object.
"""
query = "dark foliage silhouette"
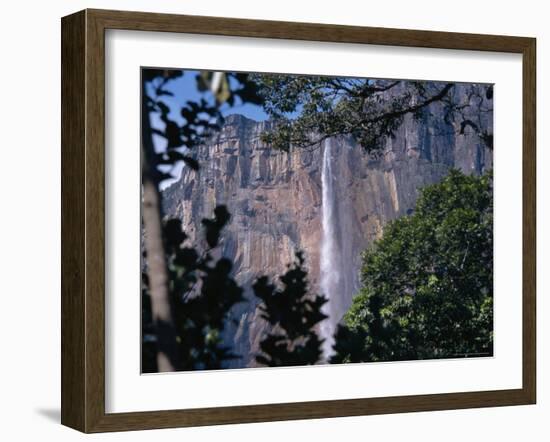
(202, 292)
(293, 312)
(200, 119)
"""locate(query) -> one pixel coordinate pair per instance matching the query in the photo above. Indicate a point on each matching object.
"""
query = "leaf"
(203, 81)
(223, 93)
(173, 233)
(186, 257)
(214, 226)
(161, 92)
(164, 109)
(191, 162)
(222, 215)
(161, 176)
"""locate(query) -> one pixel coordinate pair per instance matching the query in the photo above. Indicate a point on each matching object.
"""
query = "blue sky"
(185, 89)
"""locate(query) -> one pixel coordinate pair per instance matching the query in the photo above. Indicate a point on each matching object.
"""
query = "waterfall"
(330, 259)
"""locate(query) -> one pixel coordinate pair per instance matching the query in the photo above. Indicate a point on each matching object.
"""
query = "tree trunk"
(157, 270)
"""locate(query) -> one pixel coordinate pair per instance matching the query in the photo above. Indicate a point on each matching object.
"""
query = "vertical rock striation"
(275, 199)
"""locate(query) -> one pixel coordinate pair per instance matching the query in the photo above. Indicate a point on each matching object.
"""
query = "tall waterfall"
(330, 260)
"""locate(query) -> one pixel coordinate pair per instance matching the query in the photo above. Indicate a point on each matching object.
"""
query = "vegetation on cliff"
(309, 109)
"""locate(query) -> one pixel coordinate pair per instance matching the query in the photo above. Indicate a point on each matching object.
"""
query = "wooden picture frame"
(83, 220)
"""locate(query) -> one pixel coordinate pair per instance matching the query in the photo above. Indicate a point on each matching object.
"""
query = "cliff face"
(275, 199)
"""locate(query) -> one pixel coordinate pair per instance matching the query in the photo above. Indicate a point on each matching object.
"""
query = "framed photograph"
(267, 221)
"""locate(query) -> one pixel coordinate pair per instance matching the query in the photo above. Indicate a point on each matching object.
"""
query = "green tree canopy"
(427, 284)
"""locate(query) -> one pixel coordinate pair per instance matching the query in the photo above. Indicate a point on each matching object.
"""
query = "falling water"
(330, 262)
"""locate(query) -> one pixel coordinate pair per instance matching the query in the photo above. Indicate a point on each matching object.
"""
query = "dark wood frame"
(83, 217)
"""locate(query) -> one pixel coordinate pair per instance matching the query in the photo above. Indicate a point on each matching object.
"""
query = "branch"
(410, 109)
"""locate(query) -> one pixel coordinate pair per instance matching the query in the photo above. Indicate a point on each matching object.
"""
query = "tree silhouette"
(202, 292)
(200, 119)
(293, 313)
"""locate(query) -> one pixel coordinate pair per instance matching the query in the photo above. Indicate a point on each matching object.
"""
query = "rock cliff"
(275, 199)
